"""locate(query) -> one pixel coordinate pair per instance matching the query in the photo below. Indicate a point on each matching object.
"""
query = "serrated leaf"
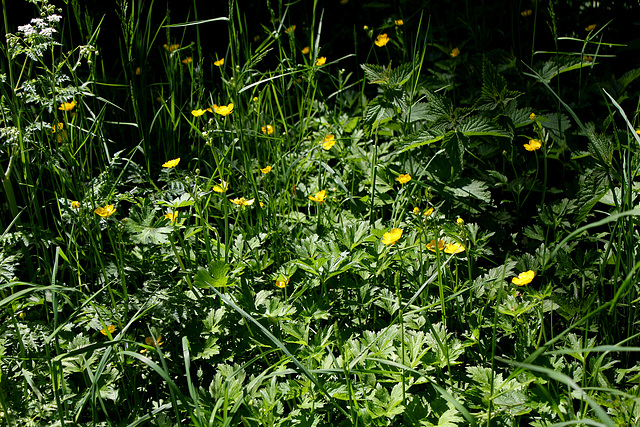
(454, 145)
(493, 84)
(400, 75)
(474, 188)
(378, 109)
(482, 126)
(375, 73)
(559, 65)
(421, 138)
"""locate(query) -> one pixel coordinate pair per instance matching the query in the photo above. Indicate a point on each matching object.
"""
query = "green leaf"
(217, 278)
(493, 84)
(482, 126)
(421, 138)
(140, 224)
(454, 145)
(377, 110)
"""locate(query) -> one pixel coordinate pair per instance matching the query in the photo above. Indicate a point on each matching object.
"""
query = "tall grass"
(426, 231)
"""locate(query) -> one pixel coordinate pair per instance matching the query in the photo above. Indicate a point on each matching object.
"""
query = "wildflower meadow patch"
(348, 214)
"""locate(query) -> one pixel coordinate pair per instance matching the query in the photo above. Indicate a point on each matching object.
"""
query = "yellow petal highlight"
(105, 211)
(223, 110)
(381, 40)
(171, 163)
(219, 62)
(403, 178)
(453, 248)
(328, 141)
(533, 145)
(265, 170)
(67, 106)
(319, 196)
(321, 61)
(268, 129)
(523, 278)
(392, 236)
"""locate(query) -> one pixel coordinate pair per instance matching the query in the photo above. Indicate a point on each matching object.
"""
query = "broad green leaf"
(421, 138)
(482, 126)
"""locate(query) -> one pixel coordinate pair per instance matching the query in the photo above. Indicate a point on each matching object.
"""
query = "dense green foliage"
(432, 224)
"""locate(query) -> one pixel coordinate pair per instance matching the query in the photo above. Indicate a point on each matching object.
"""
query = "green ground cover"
(305, 214)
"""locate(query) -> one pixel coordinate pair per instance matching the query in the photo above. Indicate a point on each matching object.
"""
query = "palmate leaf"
(141, 225)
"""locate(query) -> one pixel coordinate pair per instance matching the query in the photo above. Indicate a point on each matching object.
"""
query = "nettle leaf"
(493, 84)
(141, 225)
(454, 146)
(421, 138)
(401, 75)
(416, 112)
(559, 65)
(438, 107)
(482, 126)
(386, 76)
(519, 116)
(377, 110)
(376, 74)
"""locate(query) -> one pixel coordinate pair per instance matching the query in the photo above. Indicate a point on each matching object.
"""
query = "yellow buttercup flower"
(138, 71)
(319, 196)
(455, 52)
(290, 30)
(219, 62)
(224, 186)
(428, 212)
(391, 236)
(590, 27)
(460, 221)
(171, 163)
(432, 245)
(171, 48)
(110, 328)
(283, 283)
(532, 116)
(255, 99)
(381, 40)
(416, 210)
(150, 342)
(223, 110)
(526, 13)
(67, 106)
(242, 201)
(328, 141)
(105, 211)
(305, 50)
(321, 61)
(399, 22)
(533, 145)
(265, 170)
(403, 178)
(187, 60)
(198, 112)
(523, 278)
(453, 248)
(171, 216)
(268, 129)
(75, 205)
